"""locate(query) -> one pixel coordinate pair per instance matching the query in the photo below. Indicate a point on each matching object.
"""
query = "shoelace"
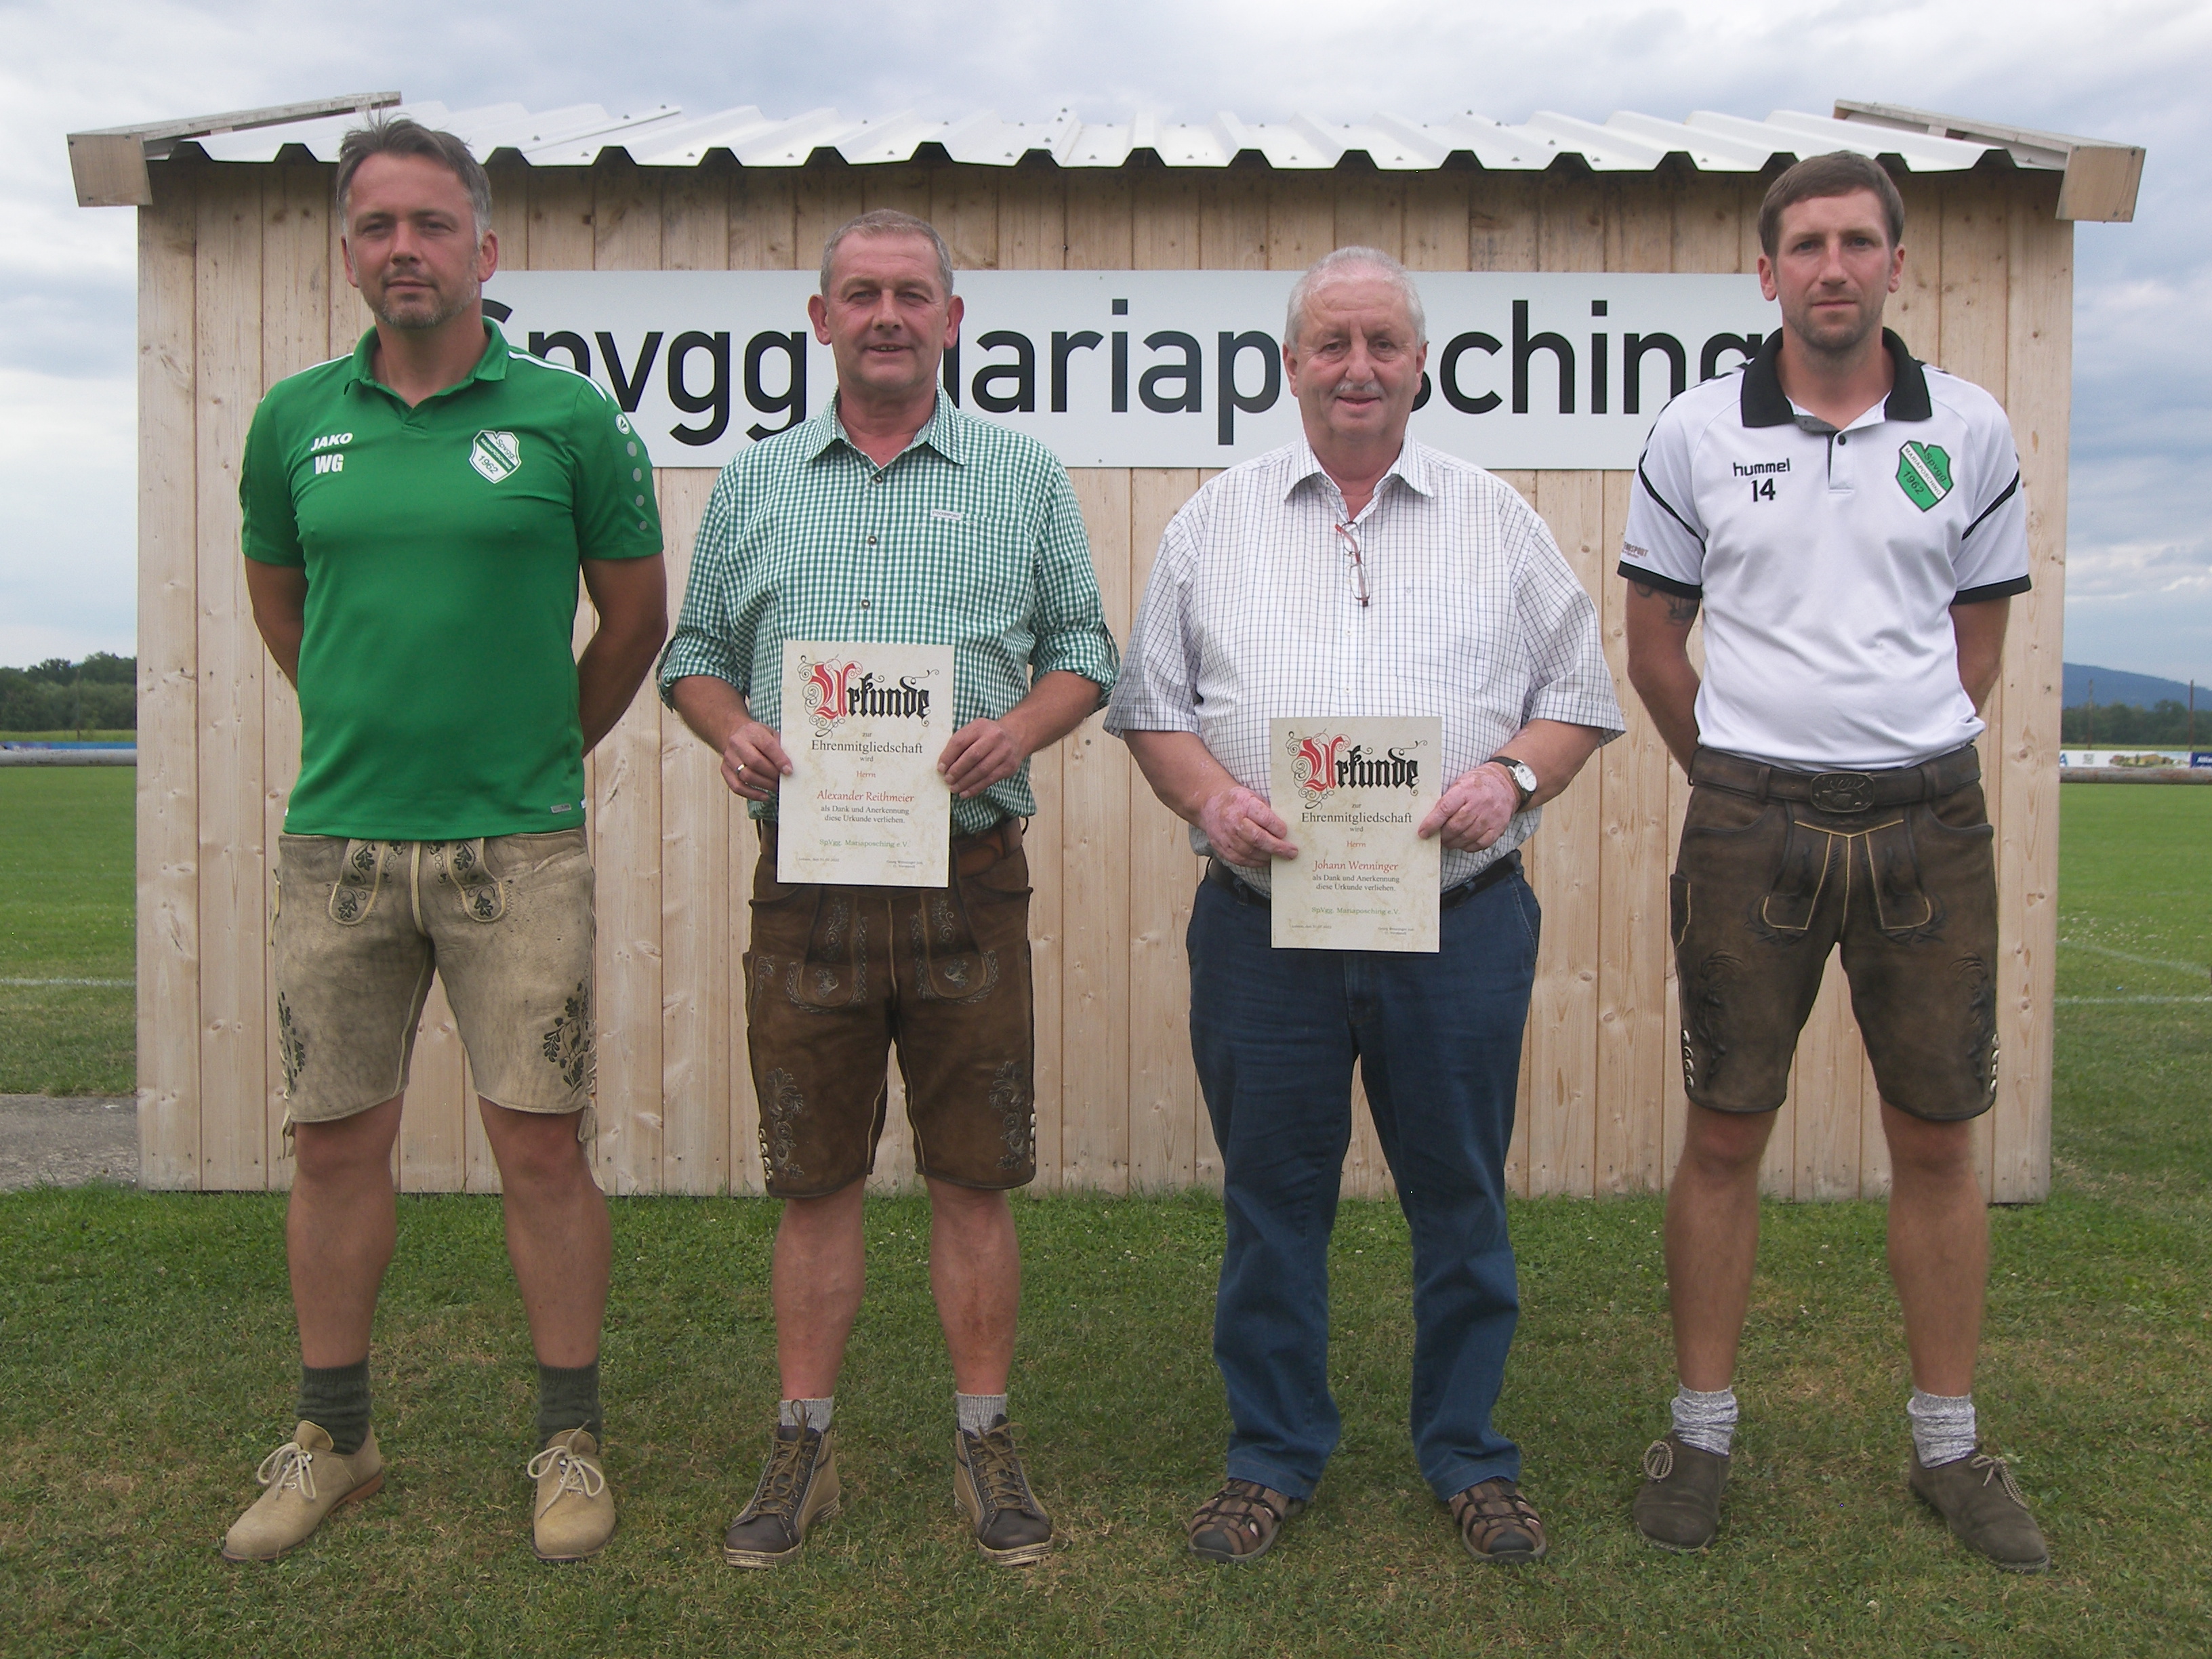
(998, 1470)
(576, 1474)
(1996, 1468)
(1659, 1459)
(778, 1495)
(289, 1465)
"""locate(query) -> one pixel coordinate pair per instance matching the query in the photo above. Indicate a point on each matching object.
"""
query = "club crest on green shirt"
(1924, 473)
(497, 454)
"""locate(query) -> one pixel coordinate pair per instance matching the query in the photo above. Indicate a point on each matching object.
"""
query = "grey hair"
(888, 221)
(399, 134)
(1341, 263)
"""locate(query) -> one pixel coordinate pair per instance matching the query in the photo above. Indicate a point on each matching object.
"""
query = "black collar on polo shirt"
(1765, 403)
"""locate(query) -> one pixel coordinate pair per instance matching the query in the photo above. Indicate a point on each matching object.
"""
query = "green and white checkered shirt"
(970, 538)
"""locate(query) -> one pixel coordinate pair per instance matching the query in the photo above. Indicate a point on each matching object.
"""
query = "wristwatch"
(1523, 778)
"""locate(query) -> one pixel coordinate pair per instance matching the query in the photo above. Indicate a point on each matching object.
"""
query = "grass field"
(65, 918)
(145, 1347)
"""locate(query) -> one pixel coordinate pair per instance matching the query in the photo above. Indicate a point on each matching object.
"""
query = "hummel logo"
(495, 454)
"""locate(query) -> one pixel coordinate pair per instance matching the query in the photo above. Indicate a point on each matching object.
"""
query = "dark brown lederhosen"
(1777, 868)
(836, 975)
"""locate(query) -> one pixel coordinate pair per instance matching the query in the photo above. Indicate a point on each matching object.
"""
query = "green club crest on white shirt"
(1924, 473)
(497, 454)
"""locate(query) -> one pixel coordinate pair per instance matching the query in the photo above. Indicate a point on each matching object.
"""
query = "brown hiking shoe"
(798, 1487)
(1978, 1497)
(1011, 1526)
(1241, 1521)
(305, 1480)
(1498, 1524)
(1679, 1505)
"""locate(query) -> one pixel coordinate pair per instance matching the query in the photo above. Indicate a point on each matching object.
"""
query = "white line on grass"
(2140, 961)
(106, 984)
(2109, 1002)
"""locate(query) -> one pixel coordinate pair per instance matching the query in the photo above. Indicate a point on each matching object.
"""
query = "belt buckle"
(1843, 791)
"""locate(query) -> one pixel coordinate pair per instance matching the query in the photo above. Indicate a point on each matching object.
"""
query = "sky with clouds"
(2139, 583)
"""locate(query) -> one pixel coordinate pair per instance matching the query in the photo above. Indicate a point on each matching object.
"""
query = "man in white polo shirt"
(1851, 523)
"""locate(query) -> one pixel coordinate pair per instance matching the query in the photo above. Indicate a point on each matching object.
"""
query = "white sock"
(1942, 1427)
(806, 1413)
(979, 1413)
(1706, 1421)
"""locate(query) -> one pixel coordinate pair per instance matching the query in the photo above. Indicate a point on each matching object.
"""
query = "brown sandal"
(1241, 1521)
(1498, 1524)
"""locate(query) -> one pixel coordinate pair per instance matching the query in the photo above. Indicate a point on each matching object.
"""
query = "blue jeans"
(1438, 1041)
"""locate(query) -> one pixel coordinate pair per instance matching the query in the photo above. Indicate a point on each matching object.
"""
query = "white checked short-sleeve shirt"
(1253, 614)
(1828, 561)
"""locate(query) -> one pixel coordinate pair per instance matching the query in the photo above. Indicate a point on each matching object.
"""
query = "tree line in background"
(100, 693)
(2123, 726)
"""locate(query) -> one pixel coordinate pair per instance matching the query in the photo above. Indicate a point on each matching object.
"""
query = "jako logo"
(837, 691)
(495, 454)
(1323, 764)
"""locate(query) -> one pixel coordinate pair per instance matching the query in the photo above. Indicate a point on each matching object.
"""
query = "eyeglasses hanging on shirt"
(1358, 564)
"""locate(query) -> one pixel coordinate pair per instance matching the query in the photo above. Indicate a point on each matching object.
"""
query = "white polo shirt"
(1827, 562)
(1252, 614)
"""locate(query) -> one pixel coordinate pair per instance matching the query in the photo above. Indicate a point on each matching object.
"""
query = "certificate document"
(864, 805)
(1353, 792)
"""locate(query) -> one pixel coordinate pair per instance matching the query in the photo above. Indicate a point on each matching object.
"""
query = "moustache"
(1358, 389)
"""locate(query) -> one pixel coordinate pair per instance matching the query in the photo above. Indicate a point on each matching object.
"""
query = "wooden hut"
(240, 284)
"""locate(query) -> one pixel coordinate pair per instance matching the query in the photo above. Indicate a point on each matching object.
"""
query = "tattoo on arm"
(1680, 610)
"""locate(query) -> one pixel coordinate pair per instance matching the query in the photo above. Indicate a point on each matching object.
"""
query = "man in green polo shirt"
(894, 518)
(415, 519)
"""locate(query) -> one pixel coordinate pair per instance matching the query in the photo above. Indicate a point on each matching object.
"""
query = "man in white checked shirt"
(1357, 573)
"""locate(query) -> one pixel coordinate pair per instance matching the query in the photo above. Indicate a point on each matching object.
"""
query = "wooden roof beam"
(2101, 178)
(109, 165)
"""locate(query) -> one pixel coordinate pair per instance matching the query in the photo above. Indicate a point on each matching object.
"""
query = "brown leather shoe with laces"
(1983, 1503)
(1498, 1524)
(798, 1487)
(1678, 1507)
(1241, 1521)
(1011, 1526)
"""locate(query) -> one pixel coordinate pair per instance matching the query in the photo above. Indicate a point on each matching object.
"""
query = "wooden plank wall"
(241, 283)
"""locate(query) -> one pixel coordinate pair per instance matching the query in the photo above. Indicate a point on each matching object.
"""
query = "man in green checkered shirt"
(892, 518)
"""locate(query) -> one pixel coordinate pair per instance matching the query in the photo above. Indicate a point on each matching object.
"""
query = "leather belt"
(1838, 792)
(1488, 877)
(971, 854)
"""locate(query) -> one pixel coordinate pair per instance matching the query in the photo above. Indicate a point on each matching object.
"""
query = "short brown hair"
(888, 221)
(1839, 173)
(399, 134)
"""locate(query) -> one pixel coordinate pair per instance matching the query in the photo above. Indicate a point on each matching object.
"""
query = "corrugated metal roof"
(579, 134)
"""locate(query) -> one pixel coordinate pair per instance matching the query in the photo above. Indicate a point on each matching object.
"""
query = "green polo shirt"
(970, 537)
(442, 545)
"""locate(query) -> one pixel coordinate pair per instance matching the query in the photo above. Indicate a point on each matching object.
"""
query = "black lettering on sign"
(1634, 347)
(1421, 398)
(631, 387)
(1745, 346)
(791, 402)
(1189, 400)
(1063, 347)
(716, 398)
(1526, 345)
(1597, 374)
(1121, 365)
(952, 374)
(1021, 375)
(561, 339)
(1448, 374)
(1271, 378)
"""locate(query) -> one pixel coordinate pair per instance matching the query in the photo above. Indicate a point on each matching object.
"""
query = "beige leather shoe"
(305, 1480)
(575, 1513)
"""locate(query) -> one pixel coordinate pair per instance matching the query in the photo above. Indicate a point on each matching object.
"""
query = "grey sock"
(1942, 1427)
(335, 1399)
(569, 1398)
(980, 1414)
(1705, 1419)
(806, 1413)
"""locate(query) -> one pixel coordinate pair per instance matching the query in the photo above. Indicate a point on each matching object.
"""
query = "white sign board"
(1151, 367)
